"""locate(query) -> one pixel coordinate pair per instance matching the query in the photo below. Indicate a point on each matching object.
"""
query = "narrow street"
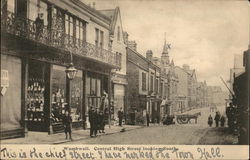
(177, 134)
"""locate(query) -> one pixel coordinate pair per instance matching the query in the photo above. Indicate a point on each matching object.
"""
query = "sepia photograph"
(124, 72)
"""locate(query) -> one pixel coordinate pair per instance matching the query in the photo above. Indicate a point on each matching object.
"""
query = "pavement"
(59, 138)
(177, 134)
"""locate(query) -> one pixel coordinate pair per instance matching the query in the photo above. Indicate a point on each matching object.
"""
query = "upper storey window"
(11, 4)
(99, 38)
(69, 27)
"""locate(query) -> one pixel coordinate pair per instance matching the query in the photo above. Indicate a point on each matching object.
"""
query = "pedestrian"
(67, 120)
(95, 122)
(91, 110)
(222, 121)
(147, 116)
(39, 23)
(101, 122)
(210, 120)
(120, 116)
(217, 119)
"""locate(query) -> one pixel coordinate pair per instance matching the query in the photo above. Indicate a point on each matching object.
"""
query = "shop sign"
(4, 78)
(4, 81)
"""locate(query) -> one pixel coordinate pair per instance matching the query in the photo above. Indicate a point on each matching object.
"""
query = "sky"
(203, 34)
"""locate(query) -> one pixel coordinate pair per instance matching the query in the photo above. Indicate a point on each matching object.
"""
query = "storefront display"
(59, 104)
(35, 97)
(76, 87)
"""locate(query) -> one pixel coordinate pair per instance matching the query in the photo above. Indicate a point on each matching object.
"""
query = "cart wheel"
(179, 121)
(184, 120)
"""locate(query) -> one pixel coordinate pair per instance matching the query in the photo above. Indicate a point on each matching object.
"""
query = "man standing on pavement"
(95, 122)
(217, 119)
(120, 116)
(147, 116)
(91, 111)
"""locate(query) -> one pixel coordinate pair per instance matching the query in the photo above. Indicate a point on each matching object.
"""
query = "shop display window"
(35, 96)
(76, 97)
(59, 104)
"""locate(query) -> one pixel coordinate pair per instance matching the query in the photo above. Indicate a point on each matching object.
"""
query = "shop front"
(119, 96)
(11, 97)
(50, 94)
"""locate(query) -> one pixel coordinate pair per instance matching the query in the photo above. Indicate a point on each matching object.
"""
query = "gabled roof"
(113, 15)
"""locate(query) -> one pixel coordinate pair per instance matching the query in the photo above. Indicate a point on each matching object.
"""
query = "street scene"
(125, 72)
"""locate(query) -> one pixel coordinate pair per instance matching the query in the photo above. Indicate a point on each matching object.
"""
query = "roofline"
(143, 57)
(90, 10)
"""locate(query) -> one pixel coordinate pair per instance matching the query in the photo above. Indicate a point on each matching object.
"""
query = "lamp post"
(71, 73)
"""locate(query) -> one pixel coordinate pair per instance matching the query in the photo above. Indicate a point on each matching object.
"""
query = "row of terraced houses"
(40, 39)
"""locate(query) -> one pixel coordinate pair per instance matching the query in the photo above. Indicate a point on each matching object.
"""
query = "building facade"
(182, 89)
(138, 88)
(39, 41)
(117, 45)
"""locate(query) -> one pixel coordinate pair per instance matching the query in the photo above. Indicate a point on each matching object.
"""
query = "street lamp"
(71, 70)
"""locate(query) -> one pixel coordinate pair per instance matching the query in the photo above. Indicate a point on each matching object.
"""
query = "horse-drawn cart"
(185, 118)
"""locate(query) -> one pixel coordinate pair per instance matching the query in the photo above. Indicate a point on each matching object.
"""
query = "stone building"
(170, 78)
(192, 83)
(182, 89)
(40, 40)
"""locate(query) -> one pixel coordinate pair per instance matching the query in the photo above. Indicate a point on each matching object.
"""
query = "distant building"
(182, 89)
(169, 76)
(192, 86)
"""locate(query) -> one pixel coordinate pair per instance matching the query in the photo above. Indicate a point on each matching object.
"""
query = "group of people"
(218, 119)
(97, 120)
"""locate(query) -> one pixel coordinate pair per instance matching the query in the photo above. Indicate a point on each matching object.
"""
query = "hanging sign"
(4, 81)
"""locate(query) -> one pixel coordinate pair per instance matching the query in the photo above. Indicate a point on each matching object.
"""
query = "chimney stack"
(125, 36)
(93, 5)
(132, 45)
(149, 55)
(186, 67)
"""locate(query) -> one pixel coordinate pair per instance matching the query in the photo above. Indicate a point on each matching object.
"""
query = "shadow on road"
(218, 136)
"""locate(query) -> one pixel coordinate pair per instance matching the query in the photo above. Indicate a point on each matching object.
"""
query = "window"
(152, 83)
(93, 90)
(59, 104)
(76, 97)
(11, 5)
(118, 33)
(143, 80)
(166, 90)
(102, 39)
(69, 27)
(157, 85)
(96, 36)
(79, 32)
(35, 7)
(161, 89)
